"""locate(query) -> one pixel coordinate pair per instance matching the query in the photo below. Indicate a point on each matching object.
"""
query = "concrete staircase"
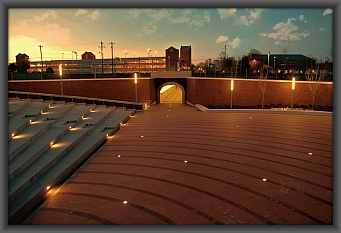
(47, 141)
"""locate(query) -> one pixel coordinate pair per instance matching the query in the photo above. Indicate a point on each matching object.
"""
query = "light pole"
(62, 55)
(149, 50)
(275, 66)
(76, 58)
(292, 96)
(126, 59)
(41, 58)
(231, 91)
(112, 56)
(135, 79)
(61, 77)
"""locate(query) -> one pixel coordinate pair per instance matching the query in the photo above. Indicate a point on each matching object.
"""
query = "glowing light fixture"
(51, 143)
(142, 136)
(310, 153)
(264, 179)
(232, 85)
(293, 84)
(125, 202)
(292, 96)
(48, 187)
(13, 135)
(185, 161)
(119, 156)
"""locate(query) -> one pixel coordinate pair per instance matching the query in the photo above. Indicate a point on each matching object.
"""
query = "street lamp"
(135, 79)
(149, 50)
(231, 91)
(292, 96)
(126, 60)
(61, 77)
(275, 66)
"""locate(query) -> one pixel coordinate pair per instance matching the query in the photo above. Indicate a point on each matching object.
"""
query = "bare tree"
(263, 77)
(315, 76)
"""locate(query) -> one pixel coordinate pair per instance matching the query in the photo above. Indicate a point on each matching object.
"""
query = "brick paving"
(175, 165)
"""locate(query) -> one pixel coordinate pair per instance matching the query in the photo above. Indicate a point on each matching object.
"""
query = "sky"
(135, 31)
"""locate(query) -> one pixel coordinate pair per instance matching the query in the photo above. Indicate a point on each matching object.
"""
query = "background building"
(172, 58)
(185, 57)
(20, 57)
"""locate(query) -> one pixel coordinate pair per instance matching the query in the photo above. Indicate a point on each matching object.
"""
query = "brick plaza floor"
(173, 164)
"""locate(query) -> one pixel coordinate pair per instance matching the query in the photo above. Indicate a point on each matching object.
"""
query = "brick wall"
(118, 89)
(247, 92)
(198, 91)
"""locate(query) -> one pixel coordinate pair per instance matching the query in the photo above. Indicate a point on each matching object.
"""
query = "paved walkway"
(173, 164)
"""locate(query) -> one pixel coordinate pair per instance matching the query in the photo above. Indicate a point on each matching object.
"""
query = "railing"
(79, 99)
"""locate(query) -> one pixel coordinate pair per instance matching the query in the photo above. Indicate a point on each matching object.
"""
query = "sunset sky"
(135, 30)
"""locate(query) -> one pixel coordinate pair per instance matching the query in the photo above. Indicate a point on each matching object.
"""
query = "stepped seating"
(45, 151)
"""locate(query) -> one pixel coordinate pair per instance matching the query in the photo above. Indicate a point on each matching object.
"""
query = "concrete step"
(22, 119)
(16, 105)
(69, 139)
(34, 130)
(42, 144)
(67, 163)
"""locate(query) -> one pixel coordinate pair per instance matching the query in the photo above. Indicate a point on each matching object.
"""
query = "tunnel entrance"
(171, 92)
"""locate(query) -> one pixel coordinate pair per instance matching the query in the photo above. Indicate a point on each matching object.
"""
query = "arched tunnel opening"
(171, 93)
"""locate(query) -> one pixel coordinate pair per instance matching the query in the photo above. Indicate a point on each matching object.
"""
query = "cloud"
(221, 39)
(207, 16)
(235, 42)
(302, 18)
(135, 13)
(149, 28)
(197, 21)
(183, 18)
(94, 15)
(286, 31)
(157, 15)
(226, 13)
(251, 18)
(327, 12)
(81, 12)
(323, 29)
(47, 14)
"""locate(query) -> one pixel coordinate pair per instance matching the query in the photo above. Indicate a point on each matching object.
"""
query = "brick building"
(21, 57)
(185, 57)
(172, 58)
(88, 56)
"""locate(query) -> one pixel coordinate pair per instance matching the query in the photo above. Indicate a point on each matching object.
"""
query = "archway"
(171, 92)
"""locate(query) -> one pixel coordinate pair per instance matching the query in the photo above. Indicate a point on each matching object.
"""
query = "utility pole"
(41, 58)
(225, 51)
(102, 54)
(112, 57)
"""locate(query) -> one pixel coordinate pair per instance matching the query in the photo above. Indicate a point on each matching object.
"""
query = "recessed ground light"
(125, 202)
(13, 134)
(142, 136)
(250, 117)
(70, 127)
(119, 156)
(48, 187)
(237, 126)
(51, 143)
(185, 161)
(310, 153)
(30, 121)
(167, 116)
(107, 135)
(264, 179)
(41, 112)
